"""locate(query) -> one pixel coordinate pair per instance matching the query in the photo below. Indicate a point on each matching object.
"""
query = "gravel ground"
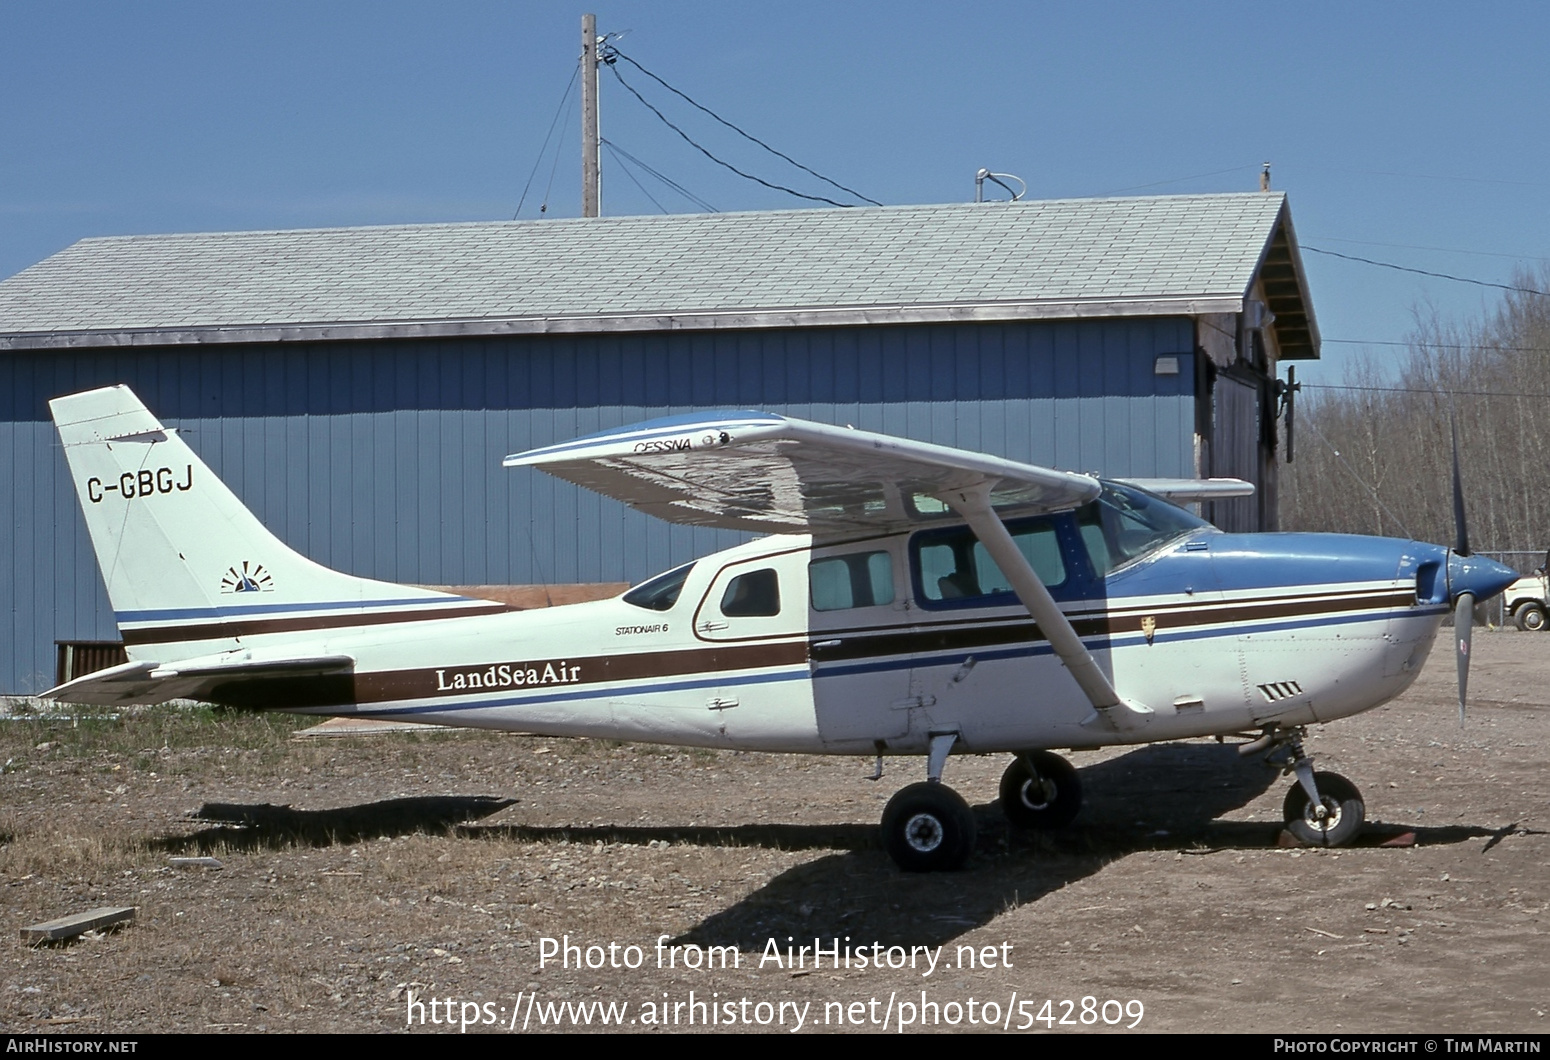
(402, 891)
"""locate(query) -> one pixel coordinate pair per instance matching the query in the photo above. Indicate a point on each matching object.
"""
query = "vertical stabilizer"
(189, 570)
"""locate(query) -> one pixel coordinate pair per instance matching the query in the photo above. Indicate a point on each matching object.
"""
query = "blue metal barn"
(358, 387)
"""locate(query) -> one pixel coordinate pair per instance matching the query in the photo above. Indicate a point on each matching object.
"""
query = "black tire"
(1530, 618)
(928, 828)
(1346, 812)
(1050, 801)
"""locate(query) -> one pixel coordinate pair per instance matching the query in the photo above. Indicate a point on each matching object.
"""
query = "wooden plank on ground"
(70, 926)
(365, 727)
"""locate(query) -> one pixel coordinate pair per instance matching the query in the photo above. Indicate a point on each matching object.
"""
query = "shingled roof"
(1161, 255)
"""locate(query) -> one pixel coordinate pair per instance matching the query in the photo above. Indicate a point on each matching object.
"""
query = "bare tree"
(1377, 452)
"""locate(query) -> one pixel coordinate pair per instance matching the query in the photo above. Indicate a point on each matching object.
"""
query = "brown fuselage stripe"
(344, 620)
(552, 675)
(1336, 601)
(389, 685)
(957, 638)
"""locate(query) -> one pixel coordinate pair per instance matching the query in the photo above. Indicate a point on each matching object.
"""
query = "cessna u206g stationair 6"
(916, 600)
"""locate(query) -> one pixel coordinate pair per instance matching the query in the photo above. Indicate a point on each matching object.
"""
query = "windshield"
(1126, 523)
(660, 593)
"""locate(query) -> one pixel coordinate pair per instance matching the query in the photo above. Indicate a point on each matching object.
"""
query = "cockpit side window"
(1125, 524)
(660, 593)
(752, 595)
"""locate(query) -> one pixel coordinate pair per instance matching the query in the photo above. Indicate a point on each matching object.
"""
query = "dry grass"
(137, 733)
(96, 853)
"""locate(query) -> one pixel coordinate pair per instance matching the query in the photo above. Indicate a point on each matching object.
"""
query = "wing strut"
(974, 505)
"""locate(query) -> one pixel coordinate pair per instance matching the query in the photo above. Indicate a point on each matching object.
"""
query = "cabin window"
(862, 579)
(752, 595)
(660, 593)
(953, 566)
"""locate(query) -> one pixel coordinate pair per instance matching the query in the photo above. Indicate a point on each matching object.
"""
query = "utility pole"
(589, 139)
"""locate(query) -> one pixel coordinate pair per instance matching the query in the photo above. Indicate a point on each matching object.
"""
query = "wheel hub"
(1323, 817)
(1039, 794)
(924, 832)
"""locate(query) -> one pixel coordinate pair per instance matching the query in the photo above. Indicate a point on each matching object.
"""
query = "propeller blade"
(1461, 531)
(1463, 628)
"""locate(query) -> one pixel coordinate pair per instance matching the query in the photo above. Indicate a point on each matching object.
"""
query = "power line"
(1180, 180)
(1425, 272)
(618, 151)
(1441, 345)
(1441, 250)
(617, 158)
(1436, 176)
(1423, 390)
(744, 134)
(539, 160)
(688, 139)
(556, 167)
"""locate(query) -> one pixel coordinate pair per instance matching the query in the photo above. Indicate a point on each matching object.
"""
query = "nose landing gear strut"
(1321, 809)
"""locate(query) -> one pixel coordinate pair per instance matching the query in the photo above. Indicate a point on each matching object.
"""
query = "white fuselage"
(852, 675)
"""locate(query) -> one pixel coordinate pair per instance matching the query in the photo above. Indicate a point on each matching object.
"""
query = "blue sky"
(1413, 133)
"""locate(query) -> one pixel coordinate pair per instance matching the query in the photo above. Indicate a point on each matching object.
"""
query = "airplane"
(912, 599)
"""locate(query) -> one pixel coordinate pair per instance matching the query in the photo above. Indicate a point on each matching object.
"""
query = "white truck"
(1527, 600)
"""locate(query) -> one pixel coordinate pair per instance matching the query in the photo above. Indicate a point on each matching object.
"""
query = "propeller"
(1464, 606)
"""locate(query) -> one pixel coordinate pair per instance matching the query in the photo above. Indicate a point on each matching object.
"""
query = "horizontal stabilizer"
(121, 685)
(279, 683)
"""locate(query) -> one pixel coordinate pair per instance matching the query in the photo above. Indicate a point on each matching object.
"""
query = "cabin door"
(862, 651)
(752, 629)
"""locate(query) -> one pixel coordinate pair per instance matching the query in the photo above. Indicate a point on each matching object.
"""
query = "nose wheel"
(1334, 820)
(1322, 809)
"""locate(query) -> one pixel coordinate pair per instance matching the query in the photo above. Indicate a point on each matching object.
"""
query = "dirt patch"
(395, 876)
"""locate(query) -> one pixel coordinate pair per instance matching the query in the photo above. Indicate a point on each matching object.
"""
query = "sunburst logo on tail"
(252, 578)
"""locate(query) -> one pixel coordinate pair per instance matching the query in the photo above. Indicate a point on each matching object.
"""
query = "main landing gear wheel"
(1344, 808)
(928, 828)
(1048, 795)
(1530, 618)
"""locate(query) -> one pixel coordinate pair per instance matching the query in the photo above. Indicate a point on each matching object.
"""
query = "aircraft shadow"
(1154, 798)
(264, 826)
(1159, 798)
(1163, 797)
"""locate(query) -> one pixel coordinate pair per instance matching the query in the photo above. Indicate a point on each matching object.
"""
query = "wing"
(773, 474)
(758, 471)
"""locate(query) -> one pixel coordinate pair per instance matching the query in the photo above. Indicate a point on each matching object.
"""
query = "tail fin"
(189, 570)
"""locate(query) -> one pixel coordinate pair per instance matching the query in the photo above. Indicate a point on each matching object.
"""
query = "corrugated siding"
(1235, 451)
(383, 459)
